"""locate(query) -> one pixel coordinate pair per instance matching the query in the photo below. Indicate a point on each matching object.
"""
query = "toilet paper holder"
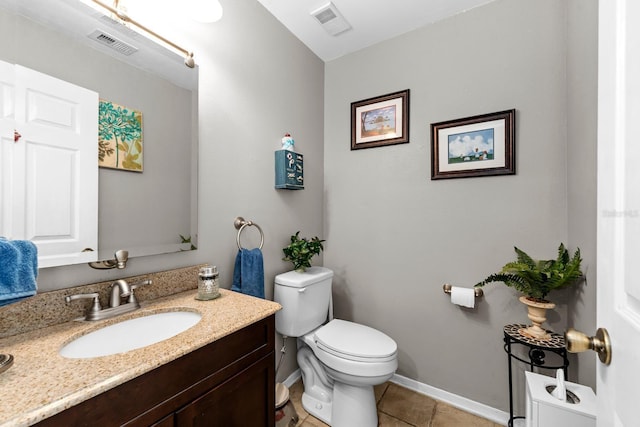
(477, 292)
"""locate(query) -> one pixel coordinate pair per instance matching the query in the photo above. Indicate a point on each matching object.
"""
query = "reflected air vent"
(112, 42)
(331, 19)
(119, 26)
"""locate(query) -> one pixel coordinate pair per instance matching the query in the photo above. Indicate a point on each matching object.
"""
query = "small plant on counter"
(301, 250)
(187, 240)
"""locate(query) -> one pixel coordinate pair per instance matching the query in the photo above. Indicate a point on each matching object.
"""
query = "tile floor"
(401, 407)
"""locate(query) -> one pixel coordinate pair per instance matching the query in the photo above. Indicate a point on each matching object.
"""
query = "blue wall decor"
(289, 172)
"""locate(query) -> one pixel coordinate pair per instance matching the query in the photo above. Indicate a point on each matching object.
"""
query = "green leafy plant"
(301, 250)
(187, 239)
(536, 278)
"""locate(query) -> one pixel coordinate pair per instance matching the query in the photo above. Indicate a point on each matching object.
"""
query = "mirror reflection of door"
(49, 175)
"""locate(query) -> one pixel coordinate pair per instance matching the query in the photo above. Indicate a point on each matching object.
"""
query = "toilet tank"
(304, 298)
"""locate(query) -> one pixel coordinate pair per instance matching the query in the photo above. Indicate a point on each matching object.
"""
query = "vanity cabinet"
(229, 382)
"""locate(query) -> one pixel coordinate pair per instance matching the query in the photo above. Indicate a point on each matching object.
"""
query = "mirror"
(148, 212)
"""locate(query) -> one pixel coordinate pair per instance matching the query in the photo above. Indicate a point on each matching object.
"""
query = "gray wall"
(582, 119)
(394, 237)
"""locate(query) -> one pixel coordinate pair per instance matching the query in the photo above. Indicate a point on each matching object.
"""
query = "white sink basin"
(130, 334)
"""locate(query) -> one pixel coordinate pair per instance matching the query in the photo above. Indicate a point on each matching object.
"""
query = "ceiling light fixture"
(188, 60)
(205, 11)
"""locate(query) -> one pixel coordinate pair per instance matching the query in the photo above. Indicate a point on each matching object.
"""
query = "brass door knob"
(577, 342)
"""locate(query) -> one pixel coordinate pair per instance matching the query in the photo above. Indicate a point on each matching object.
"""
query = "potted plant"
(301, 250)
(535, 279)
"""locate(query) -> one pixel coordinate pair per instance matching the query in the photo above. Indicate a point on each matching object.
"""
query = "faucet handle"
(95, 307)
(132, 297)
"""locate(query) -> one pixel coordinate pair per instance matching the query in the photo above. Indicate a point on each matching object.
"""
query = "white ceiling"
(372, 21)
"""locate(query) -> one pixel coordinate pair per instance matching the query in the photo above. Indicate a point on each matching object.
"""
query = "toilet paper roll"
(464, 297)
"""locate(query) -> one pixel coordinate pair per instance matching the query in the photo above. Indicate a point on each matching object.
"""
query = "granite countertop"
(42, 383)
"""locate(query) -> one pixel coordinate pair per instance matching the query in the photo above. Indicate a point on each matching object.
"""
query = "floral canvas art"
(119, 137)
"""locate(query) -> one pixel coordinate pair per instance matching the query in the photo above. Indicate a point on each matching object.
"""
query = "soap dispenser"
(208, 283)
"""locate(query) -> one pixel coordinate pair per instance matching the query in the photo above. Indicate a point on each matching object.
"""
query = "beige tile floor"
(401, 407)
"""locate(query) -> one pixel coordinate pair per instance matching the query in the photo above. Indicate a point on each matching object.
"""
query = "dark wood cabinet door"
(168, 421)
(243, 400)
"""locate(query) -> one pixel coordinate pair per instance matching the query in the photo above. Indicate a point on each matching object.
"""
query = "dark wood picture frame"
(382, 120)
(474, 146)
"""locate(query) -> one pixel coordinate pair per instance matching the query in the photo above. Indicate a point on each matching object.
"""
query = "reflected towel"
(18, 270)
(248, 273)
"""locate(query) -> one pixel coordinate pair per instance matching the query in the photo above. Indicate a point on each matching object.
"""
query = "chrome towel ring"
(240, 223)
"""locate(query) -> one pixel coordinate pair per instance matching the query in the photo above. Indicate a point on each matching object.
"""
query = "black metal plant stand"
(537, 352)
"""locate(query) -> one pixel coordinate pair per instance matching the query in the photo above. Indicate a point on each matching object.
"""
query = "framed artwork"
(383, 120)
(474, 146)
(119, 137)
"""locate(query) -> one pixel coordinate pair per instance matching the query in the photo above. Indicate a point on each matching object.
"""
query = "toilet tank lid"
(312, 275)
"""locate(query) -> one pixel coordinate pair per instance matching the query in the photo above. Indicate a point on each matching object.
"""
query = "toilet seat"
(355, 342)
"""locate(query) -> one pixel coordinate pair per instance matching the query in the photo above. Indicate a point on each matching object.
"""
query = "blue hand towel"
(18, 270)
(248, 273)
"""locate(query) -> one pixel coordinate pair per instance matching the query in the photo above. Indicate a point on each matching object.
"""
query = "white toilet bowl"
(340, 361)
(354, 358)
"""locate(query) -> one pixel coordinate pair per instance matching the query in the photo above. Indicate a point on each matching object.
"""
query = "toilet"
(340, 361)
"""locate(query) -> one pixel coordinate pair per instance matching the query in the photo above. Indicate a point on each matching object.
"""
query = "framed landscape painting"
(383, 120)
(481, 145)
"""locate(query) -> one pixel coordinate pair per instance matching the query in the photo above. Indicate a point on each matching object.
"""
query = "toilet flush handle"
(301, 290)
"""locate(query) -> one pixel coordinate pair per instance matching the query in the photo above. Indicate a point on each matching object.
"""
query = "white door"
(52, 179)
(619, 210)
(7, 126)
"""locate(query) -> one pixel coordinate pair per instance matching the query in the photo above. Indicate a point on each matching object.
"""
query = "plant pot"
(536, 311)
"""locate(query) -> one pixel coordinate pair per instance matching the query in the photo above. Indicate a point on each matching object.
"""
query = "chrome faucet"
(119, 289)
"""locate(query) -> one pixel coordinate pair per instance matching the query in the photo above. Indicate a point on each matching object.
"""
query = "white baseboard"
(293, 378)
(467, 405)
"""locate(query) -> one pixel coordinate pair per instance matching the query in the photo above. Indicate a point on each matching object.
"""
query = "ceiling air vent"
(112, 42)
(331, 19)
